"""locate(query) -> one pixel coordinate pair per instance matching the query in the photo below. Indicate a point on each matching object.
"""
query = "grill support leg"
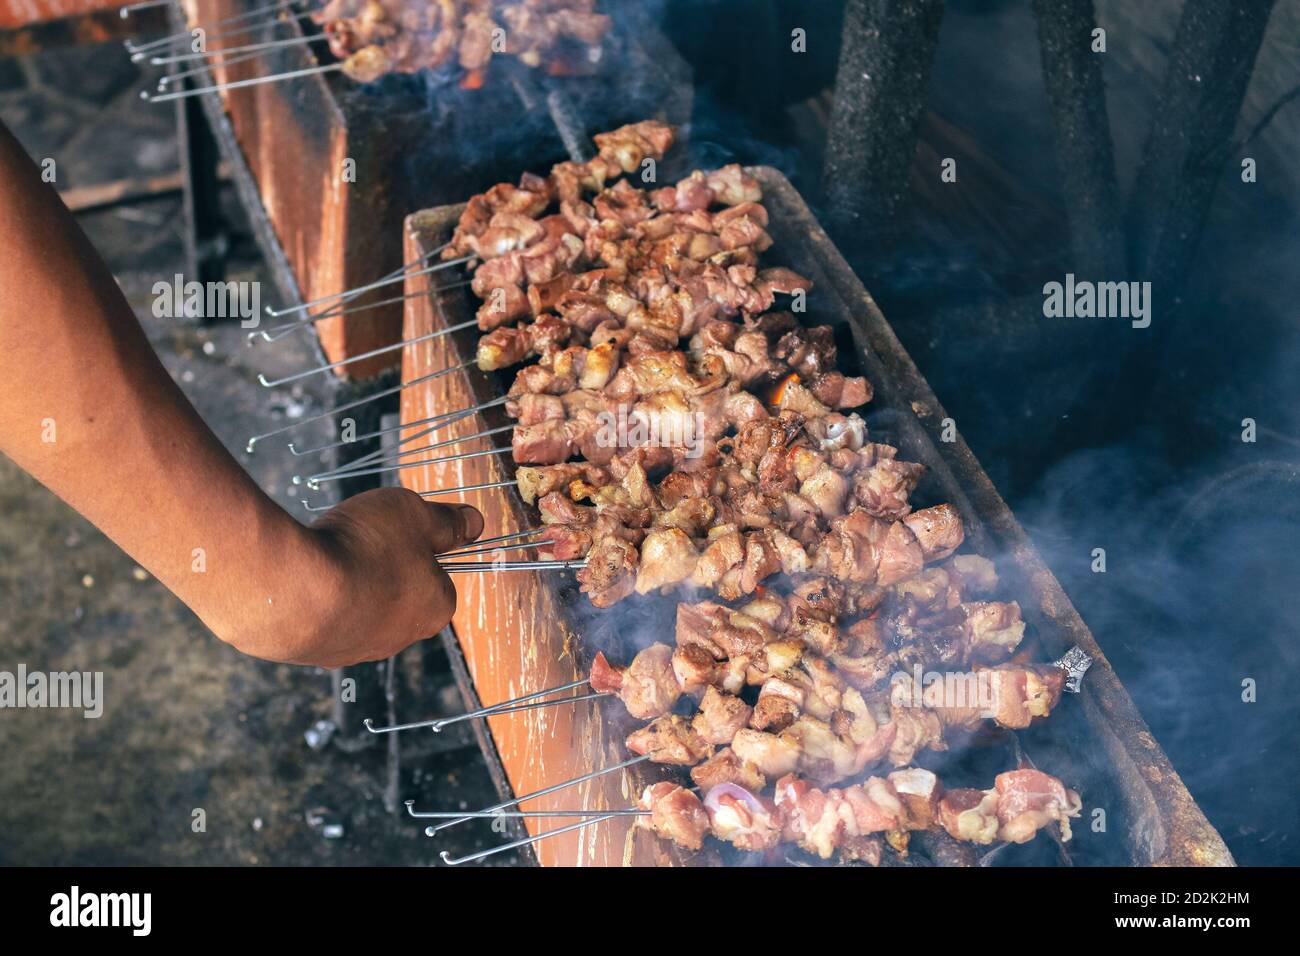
(886, 52)
(1076, 96)
(206, 235)
(1209, 68)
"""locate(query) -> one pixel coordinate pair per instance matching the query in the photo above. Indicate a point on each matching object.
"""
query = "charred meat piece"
(720, 716)
(671, 740)
(676, 814)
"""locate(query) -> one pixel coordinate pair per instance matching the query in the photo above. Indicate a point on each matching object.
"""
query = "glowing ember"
(778, 390)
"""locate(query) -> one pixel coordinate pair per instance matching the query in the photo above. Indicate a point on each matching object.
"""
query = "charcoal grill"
(518, 632)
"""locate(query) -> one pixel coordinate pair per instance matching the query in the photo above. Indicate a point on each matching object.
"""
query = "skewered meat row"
(663, 277)
(729, 648)
(619, 229)
(374, 37)
(639, 537)
(792, 365)
(786, 466)
(830, 731)
(618, 152)
(809, 715)
(603, 312)
(1020, 803)
(789, 474)
(734, 562)
(677, 426)
(716, 645)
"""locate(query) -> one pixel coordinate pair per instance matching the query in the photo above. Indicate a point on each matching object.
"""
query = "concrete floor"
(188, 723)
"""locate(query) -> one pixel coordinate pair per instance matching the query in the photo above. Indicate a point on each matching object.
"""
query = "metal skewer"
(246, 48)
(381, 455)
(240, 84)
(464, 488)
(474, 566)
(345, 295)
(387, 279)
(485, 814)
(440, 421)
(443, 420)
(343, 308)
(271, 383)
(507, 804)
(485, 486)
(526, 841)
(500, 537)
(280, 331)
(437, 723)
(141, 51)
(600, 815)
(315, 481)
(351, 466)
(497, 548)
(125, 12)
(252, 442)
(185, 34)
(168, 78)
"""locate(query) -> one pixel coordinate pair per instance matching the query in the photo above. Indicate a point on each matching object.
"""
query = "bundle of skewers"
(741, 469)
(373, 38)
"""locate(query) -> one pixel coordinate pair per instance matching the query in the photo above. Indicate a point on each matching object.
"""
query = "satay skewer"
(315, 481)
(526, 841)
(491, 567)
(493, 540)
(350, 468)
(382, 350)
(1021, 803)
(167, 79)
(241, 84)
(258, 48)
(441, 420)
(187, 39)
(255, 439)
(507, 804)
(352, 293)
(262, 11)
